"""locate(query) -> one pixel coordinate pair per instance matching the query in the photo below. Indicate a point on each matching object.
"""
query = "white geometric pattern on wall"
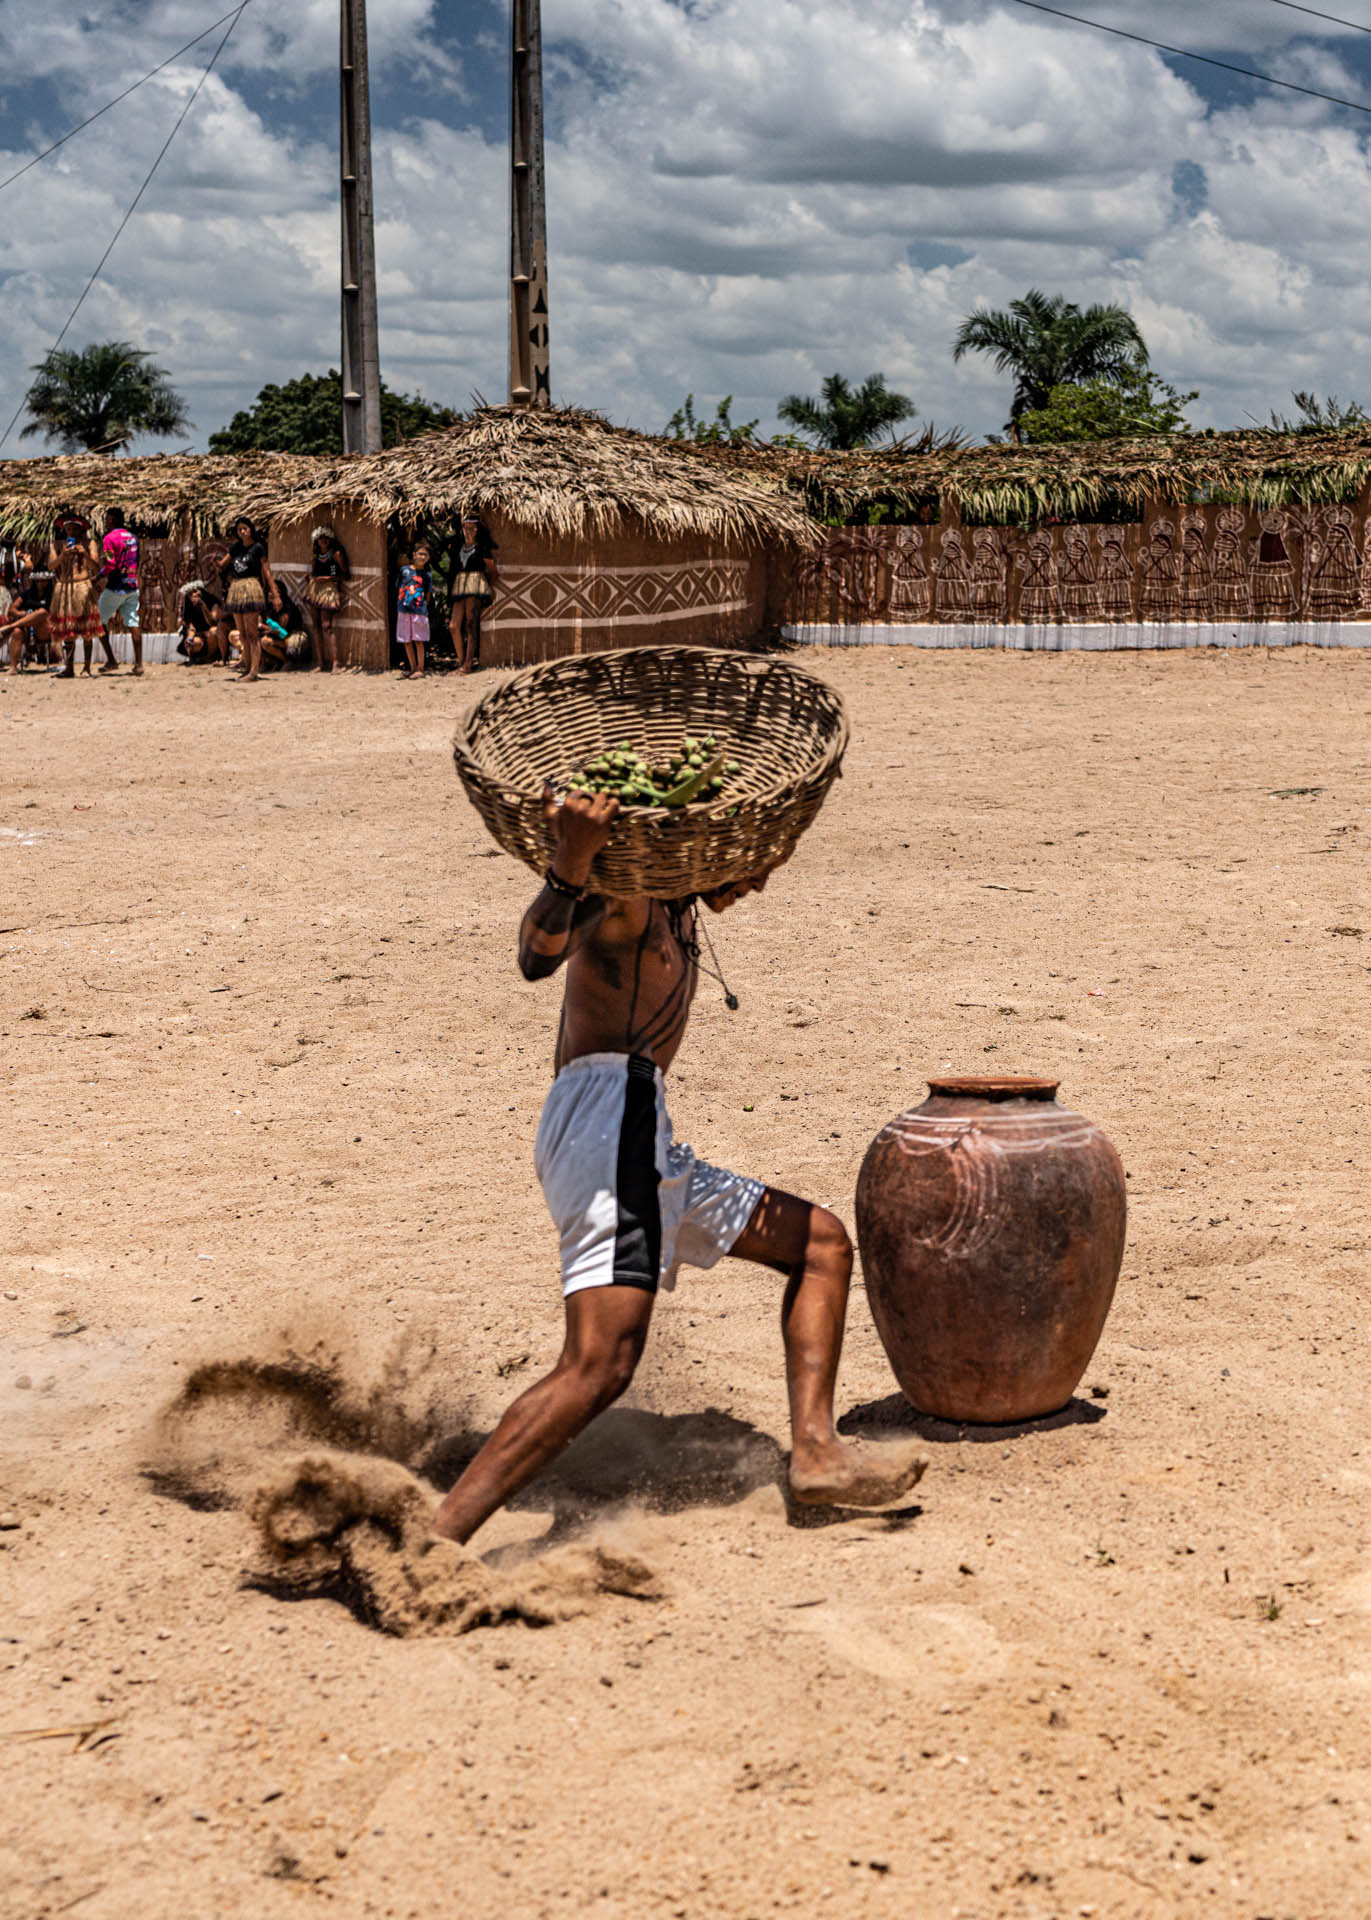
(551, 596)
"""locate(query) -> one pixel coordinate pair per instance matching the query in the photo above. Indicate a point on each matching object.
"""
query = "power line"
(133, 206)
(1208, 59)
(1355, 26)
(71, 131)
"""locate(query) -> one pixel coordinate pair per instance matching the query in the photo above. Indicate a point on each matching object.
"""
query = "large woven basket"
(786, 729)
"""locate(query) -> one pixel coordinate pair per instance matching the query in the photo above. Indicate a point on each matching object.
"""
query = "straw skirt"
(470, 586)
(246, 595)
(321, 591)
(74, 613)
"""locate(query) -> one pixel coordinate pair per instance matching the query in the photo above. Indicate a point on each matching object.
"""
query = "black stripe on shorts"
(638, 1233)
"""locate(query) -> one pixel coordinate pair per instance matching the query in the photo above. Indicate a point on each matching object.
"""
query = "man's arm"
(564, 912)
(553, 928)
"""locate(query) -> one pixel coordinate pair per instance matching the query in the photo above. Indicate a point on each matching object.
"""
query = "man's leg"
(605, 1331)
(811, 1247)
(136, 641)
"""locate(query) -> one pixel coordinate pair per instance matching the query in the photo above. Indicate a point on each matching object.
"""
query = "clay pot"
(991, 1224)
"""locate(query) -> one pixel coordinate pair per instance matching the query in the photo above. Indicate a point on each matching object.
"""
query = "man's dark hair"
(114, 518)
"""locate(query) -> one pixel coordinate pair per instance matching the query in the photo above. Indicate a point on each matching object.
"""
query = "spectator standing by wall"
(73, 613)
(328, 571)
(248, 582)
(413, 600)
(119, 584)
(472, 574)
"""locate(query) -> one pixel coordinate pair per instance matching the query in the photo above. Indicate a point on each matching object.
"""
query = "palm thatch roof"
(557, 471)
(1068, 481)
(201, 492)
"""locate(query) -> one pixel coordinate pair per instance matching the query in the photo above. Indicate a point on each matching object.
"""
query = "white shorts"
(117, 605)
(629, 1203)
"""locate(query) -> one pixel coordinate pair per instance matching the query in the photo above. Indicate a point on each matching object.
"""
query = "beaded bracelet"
(563, 887)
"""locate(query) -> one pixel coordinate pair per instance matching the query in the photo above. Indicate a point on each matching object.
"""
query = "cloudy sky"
(743, 195)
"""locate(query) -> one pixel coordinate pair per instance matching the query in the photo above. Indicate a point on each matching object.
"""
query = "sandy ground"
(273, 1085)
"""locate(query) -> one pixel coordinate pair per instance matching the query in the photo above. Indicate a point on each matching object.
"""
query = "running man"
(630, 1204)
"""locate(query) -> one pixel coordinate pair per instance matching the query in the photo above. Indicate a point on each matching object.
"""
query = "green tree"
(1320, 416)
(99, 399)
(847, 418)
(1047, 341)
(1138, 402)
(722, 430)
(306, 416)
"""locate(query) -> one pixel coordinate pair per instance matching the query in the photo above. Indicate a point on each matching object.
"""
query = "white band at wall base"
(1094, 638)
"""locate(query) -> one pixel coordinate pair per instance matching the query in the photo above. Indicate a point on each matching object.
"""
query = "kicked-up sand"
(274, 1258)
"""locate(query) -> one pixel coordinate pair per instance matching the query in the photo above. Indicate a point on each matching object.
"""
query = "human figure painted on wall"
(1080, 576)
(989, 576)
(1160, 571)
(1232, 591)
(1039, 599)
(1273, 572)
(1197, 574)
(951, 578)
(911, 590)
(1116, 577)
(1334, 567)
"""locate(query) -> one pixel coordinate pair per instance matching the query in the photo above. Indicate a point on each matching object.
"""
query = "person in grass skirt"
(472, 574)
(328, 570)
(74, 612)
(248, 584)
(414, 597)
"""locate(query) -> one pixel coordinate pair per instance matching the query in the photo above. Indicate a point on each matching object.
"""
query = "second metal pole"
(529, 381)
(361, 353)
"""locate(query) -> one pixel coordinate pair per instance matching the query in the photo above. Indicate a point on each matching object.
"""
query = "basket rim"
(833, 751)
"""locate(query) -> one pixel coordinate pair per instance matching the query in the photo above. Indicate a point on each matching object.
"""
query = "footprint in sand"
(924, 1644)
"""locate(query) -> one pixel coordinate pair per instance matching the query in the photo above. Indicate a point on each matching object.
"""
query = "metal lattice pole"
(528, 338)
(361, 344)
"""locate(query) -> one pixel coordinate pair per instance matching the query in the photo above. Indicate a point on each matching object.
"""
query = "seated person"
(204, 629)
(25, 625)
(285, 639)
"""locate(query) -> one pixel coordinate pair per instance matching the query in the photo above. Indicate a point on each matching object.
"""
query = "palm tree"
(101, 398)
(1047, 341)
(844, 418)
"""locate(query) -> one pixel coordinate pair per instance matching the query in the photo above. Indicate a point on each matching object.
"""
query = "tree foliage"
(305, 415)
(100, 398)
(722, 430)
(1137, 402)
(1321, 416)
(844, 417)
(1047, 341)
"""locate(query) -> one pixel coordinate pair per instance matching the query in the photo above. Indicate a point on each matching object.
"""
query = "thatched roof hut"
(559, 472)
(605, 537)
(191, 494)
(1068, 481)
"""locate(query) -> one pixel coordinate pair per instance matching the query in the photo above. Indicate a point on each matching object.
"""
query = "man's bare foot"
(137, 673)
(835, 1475)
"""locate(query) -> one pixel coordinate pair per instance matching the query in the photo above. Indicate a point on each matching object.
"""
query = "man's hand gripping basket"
(786, 729)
